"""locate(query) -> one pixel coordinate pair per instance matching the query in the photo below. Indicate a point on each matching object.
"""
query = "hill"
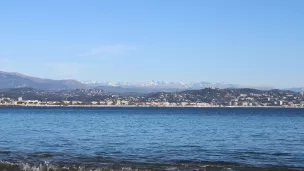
(17, 80)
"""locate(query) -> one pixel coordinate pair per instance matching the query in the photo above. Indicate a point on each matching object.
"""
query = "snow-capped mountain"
(162, 84)
(15, 80)
(90, 82)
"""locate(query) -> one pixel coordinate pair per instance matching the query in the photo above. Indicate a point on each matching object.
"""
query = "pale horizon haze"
(256, 43)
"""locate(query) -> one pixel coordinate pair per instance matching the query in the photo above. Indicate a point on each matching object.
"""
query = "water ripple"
(256, 137)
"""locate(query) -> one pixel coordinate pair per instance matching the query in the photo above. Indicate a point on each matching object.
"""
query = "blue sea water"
(260, 137)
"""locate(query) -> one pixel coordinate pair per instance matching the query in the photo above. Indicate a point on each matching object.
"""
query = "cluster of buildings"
(114, 102)
(197, 98)
(268, 99)
(20, 102)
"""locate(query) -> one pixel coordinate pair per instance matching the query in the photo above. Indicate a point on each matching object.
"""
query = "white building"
(102, 103)
(110, 102)
(94, 102)
(184, 103)
(32, 102)
(125, 102)
(76, 102)
(66, 102)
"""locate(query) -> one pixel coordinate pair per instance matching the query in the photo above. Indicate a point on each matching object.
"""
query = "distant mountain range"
(17, 80)
(301, 89)
(156, 86)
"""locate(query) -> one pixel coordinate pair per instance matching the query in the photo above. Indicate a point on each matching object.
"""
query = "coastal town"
(208, 97)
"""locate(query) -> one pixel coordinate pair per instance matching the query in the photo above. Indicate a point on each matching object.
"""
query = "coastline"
(149, 106)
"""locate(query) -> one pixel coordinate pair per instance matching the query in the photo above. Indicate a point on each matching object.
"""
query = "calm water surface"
(250, 136)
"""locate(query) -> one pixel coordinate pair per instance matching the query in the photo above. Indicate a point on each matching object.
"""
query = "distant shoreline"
(147, 106)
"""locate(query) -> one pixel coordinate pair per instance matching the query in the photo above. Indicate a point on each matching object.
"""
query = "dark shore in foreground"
(127, 166)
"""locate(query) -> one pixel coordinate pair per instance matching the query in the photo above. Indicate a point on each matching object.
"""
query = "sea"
(148, 138)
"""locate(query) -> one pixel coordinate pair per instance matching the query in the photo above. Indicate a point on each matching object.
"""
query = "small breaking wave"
(131, 166)
(54, 161)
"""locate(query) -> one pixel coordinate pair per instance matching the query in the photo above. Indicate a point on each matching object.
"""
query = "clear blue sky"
(252, 42)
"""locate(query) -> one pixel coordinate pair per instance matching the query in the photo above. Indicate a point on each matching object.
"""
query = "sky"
(253, 42)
